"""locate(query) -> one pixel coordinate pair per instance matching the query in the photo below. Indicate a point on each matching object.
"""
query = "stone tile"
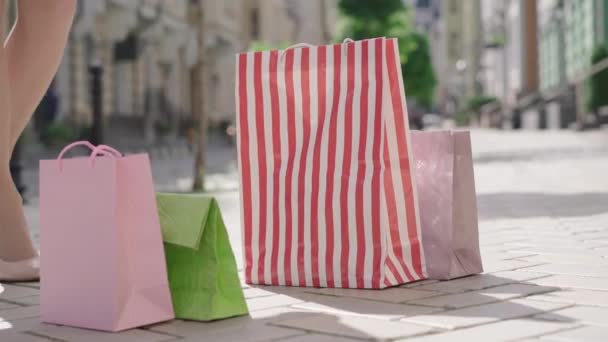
(318, 338)
(27, 301)
(234, 329)
(570, 269)
(419, 283)
(588, 315)
(576, 296)
(64, 333)
(579, 259)
(560, 250)
(493, 294)
(583, 334)
(355, 327)
(34, 285)
(10, 292)
(484, 314)
(254, 292)
(567, 281)
(478, 282)
(392, 295)
(267, 302)
(6, 305)
(564, 243)
(492, 266)
(9, 327)
(24, 337)
(502, 331)
(19, 313)
(359, 307)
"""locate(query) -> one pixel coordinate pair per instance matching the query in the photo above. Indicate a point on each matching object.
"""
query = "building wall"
(231, 26)
(579, 35)
(463, 39)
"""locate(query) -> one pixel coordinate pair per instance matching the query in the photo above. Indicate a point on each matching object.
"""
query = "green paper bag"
(202, 269)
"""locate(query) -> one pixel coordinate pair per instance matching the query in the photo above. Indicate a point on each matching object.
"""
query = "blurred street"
(543, 230)
(529, 78)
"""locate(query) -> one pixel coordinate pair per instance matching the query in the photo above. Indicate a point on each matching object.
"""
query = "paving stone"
(33, 284)
(392, 295)
(419, 283)
(505, 265)
(74, 334)
(502, 331)
(234, 329)
(566, 244)
(588, 315)
(483, 314)
(24, 337)
(356, 327)
(7, 305)
(27, 301)
(19, 313)
(567, 281)
(481, 281)
(359, 307)
(576, 296)
(10, 327)
(253, 292)
(493, 294)
(569, 269)
(578, 259)
(583, 334)
(319, 338)
(10, 292)
(267, 302)
(560, 250)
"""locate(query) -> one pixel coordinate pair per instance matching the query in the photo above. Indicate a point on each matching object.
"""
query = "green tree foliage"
(599, 82)
(391, 18)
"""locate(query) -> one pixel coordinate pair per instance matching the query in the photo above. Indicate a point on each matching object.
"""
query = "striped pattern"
(327, 193)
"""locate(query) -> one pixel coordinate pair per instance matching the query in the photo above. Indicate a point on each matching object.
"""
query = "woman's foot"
(20, 271)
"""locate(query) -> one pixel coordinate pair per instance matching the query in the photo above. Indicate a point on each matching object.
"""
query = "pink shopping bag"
(448, 206)
(327, 192)
(102, 258)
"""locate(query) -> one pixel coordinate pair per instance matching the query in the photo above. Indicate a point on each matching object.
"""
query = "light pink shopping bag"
(448, 206)
(327, 191)
(102, 257)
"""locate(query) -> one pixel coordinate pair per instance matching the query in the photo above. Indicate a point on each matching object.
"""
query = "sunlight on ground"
(1, 289)
(4, 325)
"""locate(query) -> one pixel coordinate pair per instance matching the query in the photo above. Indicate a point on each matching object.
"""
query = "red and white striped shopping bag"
(328, 198)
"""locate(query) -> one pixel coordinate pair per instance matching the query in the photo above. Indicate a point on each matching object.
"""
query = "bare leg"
(15, 242)
(35, 48)
(28, 62)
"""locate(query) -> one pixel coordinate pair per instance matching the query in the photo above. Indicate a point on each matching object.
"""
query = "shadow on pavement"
(489, 302)
(526, 205)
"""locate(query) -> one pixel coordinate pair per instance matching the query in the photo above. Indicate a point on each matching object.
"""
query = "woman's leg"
(28, 62)
(35, 47)
(15, 242)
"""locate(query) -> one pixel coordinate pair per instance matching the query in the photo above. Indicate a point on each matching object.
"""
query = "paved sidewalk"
(543, 210)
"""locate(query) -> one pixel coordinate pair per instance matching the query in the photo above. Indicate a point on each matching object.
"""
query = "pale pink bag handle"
(101, 149)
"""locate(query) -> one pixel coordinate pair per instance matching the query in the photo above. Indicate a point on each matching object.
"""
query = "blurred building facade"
(462, 33)
(535, 54)
(510, 57)
(148, 49)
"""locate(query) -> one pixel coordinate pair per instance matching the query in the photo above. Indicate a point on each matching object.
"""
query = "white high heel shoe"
(20, 271)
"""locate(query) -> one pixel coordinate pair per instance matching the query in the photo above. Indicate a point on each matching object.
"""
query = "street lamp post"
(96, 75)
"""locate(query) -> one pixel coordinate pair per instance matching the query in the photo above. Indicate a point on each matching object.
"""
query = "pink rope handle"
(104, 150)
(72, 145)
(101, 149)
